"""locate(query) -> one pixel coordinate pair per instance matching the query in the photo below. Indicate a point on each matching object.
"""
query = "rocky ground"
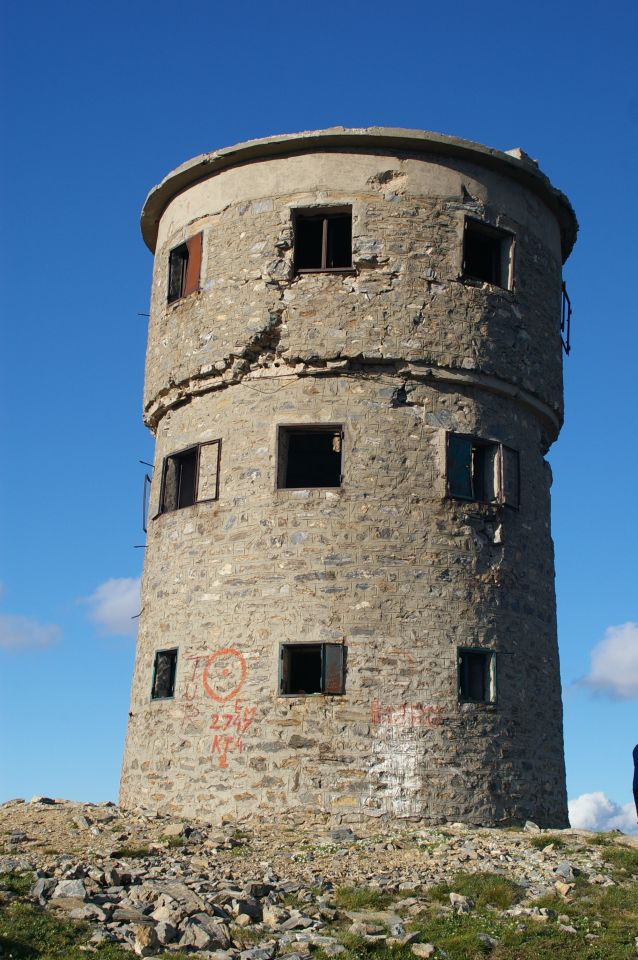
(111, 880)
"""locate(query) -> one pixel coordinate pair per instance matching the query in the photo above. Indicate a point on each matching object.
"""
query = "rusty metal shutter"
(459, 466)
(333, 668)
(168, 496)
(208, 470)
(193, 267)
(510, 477)
(283, 669)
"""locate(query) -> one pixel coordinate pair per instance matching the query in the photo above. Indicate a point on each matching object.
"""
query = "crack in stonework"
(259, 359)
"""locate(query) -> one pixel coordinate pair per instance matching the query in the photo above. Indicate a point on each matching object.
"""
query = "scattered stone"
(176, 830)
(563, 888)
(564, 870)
(461, 904)
(70, 888)
(423, 950)
(343, 835)
(146, 941)
(531, 827)
(487, 941)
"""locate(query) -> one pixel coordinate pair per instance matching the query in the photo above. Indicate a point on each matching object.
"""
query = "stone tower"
(353, 374)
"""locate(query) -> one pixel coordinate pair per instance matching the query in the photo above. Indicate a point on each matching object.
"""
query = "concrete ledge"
(366, 140)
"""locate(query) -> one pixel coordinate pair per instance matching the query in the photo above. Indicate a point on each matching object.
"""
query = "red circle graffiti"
(209, 682)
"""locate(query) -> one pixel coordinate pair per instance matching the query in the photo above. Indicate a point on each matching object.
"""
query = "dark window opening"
(323, 241)
(164, 674)
(482, 470)
(486, 254)
(191, 476)
(309, 457)
(184, 265)
(477, 680)
(307, 668)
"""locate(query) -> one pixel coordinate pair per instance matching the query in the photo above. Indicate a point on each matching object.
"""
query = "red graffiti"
(240, 719)
(222, 744)
(224, 675)
(407, 714)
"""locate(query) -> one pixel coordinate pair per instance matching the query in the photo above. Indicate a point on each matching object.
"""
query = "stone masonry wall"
(385, 564)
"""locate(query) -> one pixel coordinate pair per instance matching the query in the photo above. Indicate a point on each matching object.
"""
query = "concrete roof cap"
(514, 163)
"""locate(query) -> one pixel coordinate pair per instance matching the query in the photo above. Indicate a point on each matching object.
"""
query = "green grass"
(363, 898)
(539, 843)
(484, 888)
(28, 933)
(19, 883)
(173, 841)
(519, 938)
(622, 860)
(131, 853)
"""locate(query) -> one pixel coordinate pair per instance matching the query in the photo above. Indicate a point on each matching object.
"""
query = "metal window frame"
(565, 320)
(146, 490)
(188, 247)
(179, 453)
(497, 233)
(307, 428)
(174, 650)
(491, 674)
(325, 214)
(182, 283)
(284, 647)
(499, 499)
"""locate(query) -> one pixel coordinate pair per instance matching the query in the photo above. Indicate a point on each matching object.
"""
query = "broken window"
(164, 674)
(323, 241)
(184, 265)
(477, 676)
(482, 470)
(487, 254)
(191, 476)
(309, 456)
(307, 668)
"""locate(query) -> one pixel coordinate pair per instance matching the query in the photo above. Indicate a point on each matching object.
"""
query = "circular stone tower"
(353, 375)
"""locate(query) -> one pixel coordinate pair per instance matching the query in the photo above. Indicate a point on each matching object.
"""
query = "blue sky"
(104, 101)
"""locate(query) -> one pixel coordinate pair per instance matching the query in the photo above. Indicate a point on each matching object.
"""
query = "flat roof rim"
(207, 164)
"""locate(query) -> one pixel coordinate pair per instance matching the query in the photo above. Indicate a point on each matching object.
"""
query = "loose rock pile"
(250, 891)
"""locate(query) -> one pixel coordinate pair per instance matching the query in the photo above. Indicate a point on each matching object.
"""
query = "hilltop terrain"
(92, 879)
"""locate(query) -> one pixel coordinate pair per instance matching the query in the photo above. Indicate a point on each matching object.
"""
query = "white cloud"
(614, 663)
(595, 811)
(23, 633)
(113, 604)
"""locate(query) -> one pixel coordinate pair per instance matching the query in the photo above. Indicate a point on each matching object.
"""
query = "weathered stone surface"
(423, 949)
(70, 888)
(400, 350)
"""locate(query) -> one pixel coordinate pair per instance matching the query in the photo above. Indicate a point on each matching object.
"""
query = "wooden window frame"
(180, 453)
(491, 674)
(333, 669)
(325, 215)
(502, 453)
(507, 241)
(158, 653)
(190, 255)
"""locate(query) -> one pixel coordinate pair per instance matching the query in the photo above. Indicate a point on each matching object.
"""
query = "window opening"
(477, 676)
(307, 668)
(191, 476)
(184, 265)
(487, 254)
(323, 241)
(482, 470)
(164, 670)
(309, 457)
